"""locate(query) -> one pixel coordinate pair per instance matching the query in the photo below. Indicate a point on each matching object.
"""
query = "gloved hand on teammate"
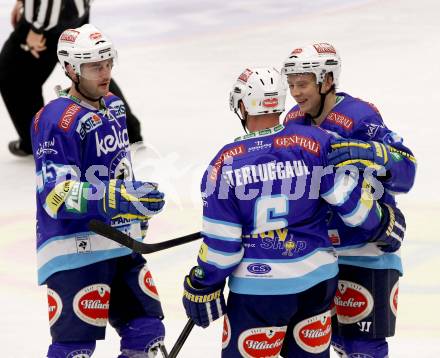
(360, 154)
(202, 304)
(391, 231)
(131, 199)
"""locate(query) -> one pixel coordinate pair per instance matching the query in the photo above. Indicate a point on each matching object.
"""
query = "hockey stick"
(114, 234)
(182, 338)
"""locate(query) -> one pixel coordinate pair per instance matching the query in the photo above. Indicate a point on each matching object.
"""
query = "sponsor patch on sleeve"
(68, 116)
(226, 154)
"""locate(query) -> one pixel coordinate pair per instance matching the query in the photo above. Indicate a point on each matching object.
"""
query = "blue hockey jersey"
(75, 146)
(353, 118)
(265, 202)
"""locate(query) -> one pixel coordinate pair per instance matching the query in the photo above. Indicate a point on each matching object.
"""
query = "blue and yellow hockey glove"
(202, 304)
(359, 153)
(391, 231)
(131, 200)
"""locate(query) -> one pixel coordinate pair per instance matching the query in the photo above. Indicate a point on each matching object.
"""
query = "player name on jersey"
(266, 171)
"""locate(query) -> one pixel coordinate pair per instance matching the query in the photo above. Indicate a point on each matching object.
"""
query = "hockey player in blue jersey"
(366, 300)
(83, 167)
(265, 203)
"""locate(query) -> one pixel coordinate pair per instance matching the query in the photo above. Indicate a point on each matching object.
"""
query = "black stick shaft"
(114, 234)
(182, 338)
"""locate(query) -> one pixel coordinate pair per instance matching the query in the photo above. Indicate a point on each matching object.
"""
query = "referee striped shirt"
(44, 15)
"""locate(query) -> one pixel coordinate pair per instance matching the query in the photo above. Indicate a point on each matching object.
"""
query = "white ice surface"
(177, 63)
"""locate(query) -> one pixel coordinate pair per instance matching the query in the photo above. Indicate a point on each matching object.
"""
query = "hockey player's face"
(305, 92)
(96, 77)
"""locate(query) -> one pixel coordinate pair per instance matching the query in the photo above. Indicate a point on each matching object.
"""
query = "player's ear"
(71, 73)
(328, 81)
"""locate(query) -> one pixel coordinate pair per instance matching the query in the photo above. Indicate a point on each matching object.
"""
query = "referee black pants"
(22, 77)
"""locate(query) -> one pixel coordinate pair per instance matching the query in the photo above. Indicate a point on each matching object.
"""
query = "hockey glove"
(202, 304)
(361, 154)
(391, 231)
(131, 200)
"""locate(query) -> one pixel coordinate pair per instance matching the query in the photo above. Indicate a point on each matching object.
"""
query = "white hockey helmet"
(84, 44)
(319, 58)
(261, 89)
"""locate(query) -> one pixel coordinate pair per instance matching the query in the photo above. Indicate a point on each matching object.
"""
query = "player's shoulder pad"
(357, 109)
(225, 156)
(294, 116)
(61, 113)
(111, 98)
(313, 140)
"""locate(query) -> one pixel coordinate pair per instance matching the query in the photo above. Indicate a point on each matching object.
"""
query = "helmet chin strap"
(322, 101)
(242, 119)
(84, 95)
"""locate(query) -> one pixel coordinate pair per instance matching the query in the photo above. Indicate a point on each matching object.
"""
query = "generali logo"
(261, 342)
(308, 144)
(68, 116)
(293, 115)
(91, 304)
(353, 302)
(340, 120)
(314, 334)
(228, 153)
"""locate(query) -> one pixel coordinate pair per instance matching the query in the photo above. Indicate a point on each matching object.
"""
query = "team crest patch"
(353, 302)
(314, 334)
(91, 304)
(55, 306)
(146, 283)
(261, 342)
(226, 336)
(394, 298)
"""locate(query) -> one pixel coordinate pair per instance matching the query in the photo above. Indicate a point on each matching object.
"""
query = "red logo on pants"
(226, 336)
(55, 306)
(314, 334)
(394, 298)
(146, 283)
(261, 342)
(353, 302)
(91, 304)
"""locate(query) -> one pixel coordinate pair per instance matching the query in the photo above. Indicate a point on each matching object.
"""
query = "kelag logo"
(259, 269)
